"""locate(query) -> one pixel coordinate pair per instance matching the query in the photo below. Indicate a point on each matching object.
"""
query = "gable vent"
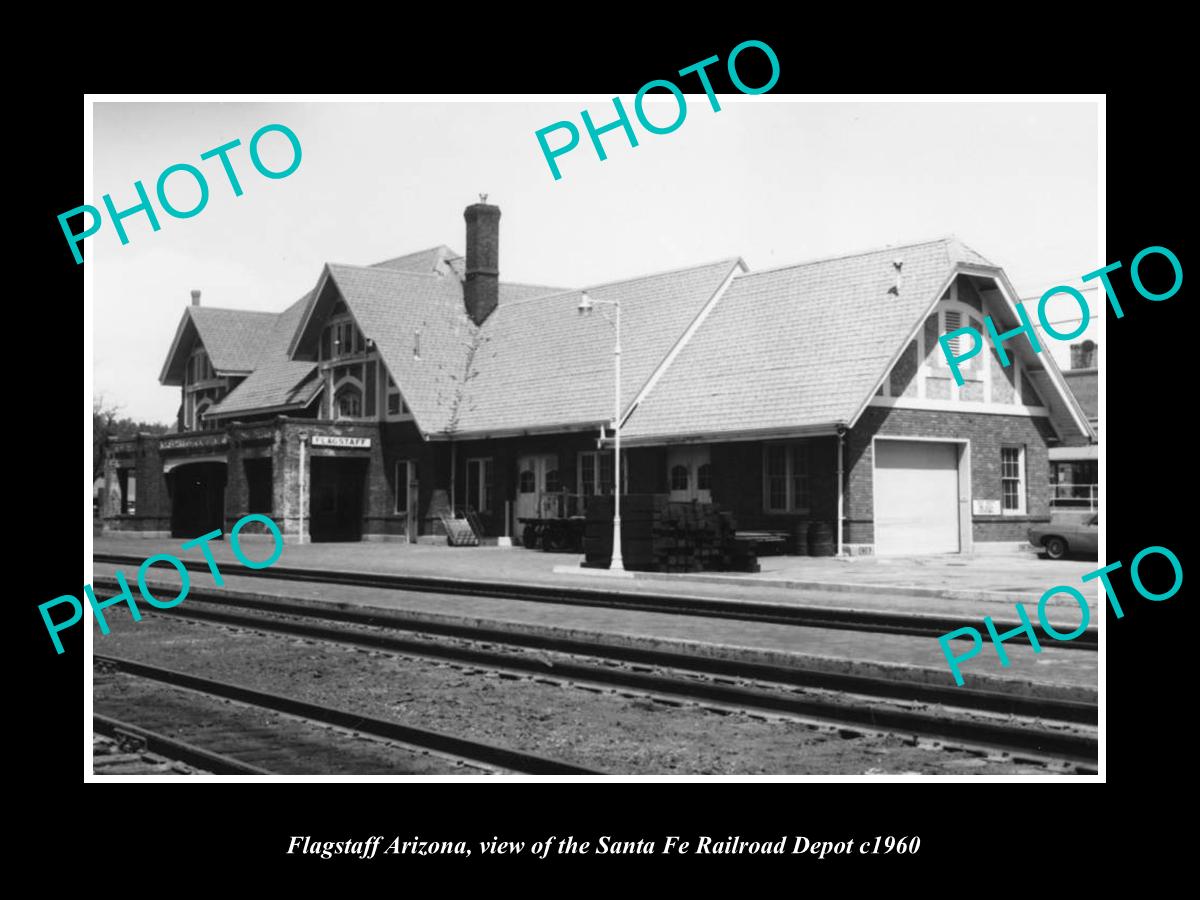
(954, 321)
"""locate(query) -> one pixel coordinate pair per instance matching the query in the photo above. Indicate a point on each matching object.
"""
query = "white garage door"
(916, 497)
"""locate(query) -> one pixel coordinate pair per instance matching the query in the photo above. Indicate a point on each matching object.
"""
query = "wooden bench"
(774, 542)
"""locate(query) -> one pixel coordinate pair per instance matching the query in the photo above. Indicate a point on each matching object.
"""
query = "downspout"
(453, 470)
(301, 480)
(841, 500)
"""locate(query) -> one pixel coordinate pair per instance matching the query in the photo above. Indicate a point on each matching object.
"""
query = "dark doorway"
(337, 499)
(197, 499)
(258, 485)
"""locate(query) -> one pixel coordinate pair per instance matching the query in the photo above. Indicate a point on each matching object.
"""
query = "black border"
(1145, 500)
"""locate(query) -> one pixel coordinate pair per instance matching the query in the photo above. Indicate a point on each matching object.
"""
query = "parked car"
(1058, 539)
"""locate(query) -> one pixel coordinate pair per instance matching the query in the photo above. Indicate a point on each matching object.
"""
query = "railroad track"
(1044, 730)
(160, 752)
(709, 607)
(491, 756)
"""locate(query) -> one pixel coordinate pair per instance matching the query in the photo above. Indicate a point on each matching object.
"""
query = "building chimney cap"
(482, 206)
(195, 298)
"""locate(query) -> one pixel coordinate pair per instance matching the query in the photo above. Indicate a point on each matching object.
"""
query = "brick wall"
(986, 433)
(286, 500)
(737, 485)
(248, 441)
(152, 515)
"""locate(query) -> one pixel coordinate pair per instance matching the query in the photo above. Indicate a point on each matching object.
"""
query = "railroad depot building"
(391, 395)
(1074, 466)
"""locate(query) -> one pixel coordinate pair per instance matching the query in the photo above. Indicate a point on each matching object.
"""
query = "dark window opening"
(124, 481)
(258, 485)
(679, 478)
(370, 383)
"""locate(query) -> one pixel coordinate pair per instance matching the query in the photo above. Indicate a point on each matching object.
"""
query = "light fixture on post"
(586, 306)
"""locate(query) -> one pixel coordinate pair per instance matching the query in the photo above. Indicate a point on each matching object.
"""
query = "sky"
(772, 179)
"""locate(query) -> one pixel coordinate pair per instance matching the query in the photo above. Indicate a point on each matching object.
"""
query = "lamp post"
(586, 306)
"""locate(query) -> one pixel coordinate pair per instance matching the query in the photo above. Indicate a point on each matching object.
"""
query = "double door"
(538, 487)
(689, 473)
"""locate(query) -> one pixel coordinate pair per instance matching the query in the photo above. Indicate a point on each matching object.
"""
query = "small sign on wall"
(986, 507)
(324, 440)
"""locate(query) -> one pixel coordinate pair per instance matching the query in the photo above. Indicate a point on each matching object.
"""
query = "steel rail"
(792, 676)
(711, 607)
(216, 763)
(476, 751)
(1004, 736)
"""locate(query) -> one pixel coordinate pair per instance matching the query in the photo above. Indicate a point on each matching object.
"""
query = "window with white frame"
(786, 486)
(479, 484)
(679, 478)
(347, 402)
(396, 407)
(199, 367)
(595, 472)
(341, 337)
(1012, 480)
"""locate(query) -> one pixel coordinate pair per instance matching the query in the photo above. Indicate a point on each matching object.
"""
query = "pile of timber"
(660, 535)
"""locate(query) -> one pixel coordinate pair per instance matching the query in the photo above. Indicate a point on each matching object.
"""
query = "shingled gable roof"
(801, 347)
(435, 260)
(540, 366)
(231, 337)
(278, 383)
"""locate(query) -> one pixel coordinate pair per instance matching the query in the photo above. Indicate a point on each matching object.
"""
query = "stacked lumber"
(660, 535)
(700, 537)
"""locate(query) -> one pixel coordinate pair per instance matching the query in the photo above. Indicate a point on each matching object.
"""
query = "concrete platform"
(969, 586)
(1054, 673)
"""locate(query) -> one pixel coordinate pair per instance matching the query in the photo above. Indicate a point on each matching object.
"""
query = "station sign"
(194, 443)
(327, 440)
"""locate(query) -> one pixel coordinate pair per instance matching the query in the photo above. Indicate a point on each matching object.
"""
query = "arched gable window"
(679, 478)
(347, 402)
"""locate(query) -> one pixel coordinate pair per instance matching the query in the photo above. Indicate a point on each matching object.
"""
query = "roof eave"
(824, 429)
(1050, 366)
(165, 377)
(489, 434)
(295, 341)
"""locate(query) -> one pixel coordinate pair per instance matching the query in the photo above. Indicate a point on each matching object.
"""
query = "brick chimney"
(1083, 355)
(195, 298)
(481, 289)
